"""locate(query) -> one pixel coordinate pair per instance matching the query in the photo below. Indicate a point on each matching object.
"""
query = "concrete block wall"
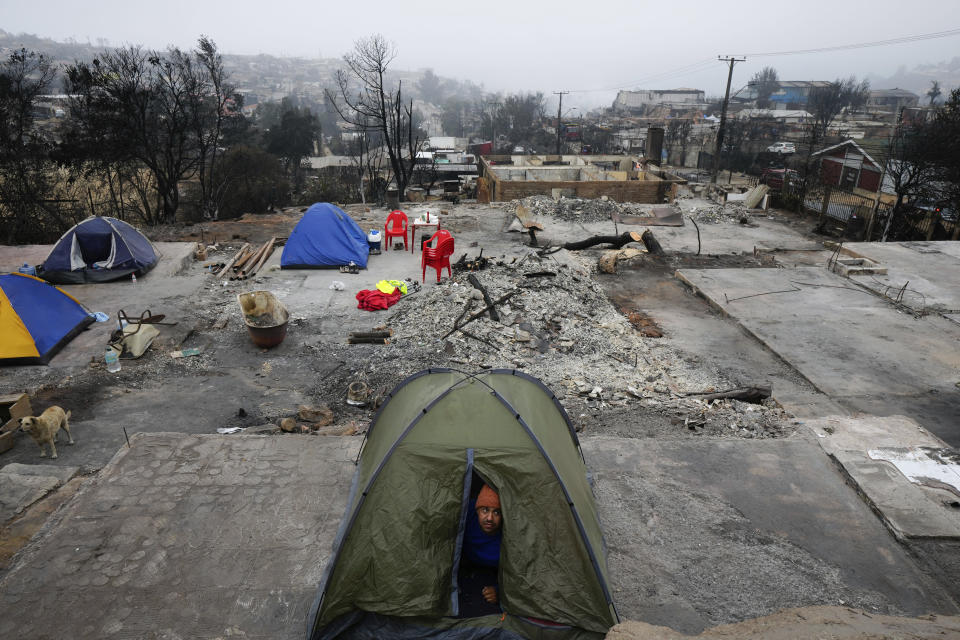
(508, 183)
(649, 192)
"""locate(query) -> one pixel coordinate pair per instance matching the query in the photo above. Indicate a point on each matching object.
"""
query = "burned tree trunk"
(651, 243)
(647, 238)
(616, 241)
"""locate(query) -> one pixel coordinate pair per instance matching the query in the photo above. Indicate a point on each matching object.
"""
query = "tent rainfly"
(36, 319)
(393, 571)
(98, 249)
(325, 237)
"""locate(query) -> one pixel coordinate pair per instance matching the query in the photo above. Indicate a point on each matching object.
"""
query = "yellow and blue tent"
(36, 319)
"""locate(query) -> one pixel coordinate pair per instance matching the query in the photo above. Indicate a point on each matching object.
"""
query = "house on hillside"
(848, 166)
(892, 99)
(638, 101)
(783, 116)
(787, 93)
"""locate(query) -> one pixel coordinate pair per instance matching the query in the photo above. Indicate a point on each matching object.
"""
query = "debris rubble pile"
(582, 209)
(560, 327)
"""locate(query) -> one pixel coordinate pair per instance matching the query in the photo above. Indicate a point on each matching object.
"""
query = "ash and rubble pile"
(562, 329)
(729, 213)
(581, 209)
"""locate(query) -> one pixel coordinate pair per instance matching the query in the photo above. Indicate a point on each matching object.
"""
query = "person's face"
(489, 519)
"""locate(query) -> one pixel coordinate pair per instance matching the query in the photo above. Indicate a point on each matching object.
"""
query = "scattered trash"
(112, 359)
(133, 339)
(381, 336)
(229, 429)
(265, 316)
(336, 285)
(99, 316)
(184, 353)
(358, 393)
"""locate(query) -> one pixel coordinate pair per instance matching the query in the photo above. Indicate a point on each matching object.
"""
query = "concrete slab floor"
(23, 484)
(714, 531)
(930, 271)
(712, 339)
(211, 536)
(854, 347)
(187, 536)
(767, 230)
(17, 534)
(910, 510)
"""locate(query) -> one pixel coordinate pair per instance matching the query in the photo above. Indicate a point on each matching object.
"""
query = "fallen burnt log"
(647, 238)
(372, 334)
(754, 395)
(377, 336)
(367, 340)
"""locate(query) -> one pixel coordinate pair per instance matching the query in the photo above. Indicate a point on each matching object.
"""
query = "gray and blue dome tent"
(393, 571)
(325, 237)
(98, 249)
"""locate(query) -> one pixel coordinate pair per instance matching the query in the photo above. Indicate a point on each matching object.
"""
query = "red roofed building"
(848, 166)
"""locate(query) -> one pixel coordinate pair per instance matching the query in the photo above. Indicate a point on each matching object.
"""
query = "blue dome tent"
(99, 249)
(36, 319)
(325, 237)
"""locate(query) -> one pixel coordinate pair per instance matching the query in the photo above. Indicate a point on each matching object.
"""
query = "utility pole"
(723, 117)
(559, 111)
(493, 124)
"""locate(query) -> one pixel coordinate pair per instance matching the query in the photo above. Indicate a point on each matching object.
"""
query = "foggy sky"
(589, 48)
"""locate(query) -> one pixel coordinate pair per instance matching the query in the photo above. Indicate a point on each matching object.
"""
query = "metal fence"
(838, 205)
(860, 217)
(914, 224)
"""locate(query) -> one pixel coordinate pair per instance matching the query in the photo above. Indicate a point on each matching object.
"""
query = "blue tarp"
(325, 237)
(36, 319)
(99, 249)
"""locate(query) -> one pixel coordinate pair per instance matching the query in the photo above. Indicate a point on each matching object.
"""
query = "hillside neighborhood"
(276, 331)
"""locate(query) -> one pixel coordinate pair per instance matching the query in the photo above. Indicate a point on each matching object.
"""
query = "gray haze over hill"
(590, 50)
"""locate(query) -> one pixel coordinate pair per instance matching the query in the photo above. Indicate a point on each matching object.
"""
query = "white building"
(636, 100)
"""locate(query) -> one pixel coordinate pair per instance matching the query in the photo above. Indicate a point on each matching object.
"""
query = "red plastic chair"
(437, 236)
(437, 256)
(395, 227)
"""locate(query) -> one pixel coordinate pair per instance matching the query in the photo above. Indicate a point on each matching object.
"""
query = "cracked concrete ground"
(207, 536)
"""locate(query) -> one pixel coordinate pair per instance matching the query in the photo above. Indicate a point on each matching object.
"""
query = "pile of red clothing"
(375, 300)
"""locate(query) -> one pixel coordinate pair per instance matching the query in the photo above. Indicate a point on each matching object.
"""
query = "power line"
(704, 64)
(861, 45)
(684, 70)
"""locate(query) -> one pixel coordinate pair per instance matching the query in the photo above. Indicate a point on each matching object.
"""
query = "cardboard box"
(12, 407)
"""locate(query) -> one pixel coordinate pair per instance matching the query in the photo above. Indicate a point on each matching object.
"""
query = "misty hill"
(919, 78)
(265, 76)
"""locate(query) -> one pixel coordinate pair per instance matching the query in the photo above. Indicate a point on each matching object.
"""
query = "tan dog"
(45, 428)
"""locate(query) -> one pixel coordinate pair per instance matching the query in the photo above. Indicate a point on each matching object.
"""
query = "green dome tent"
(393, 571)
